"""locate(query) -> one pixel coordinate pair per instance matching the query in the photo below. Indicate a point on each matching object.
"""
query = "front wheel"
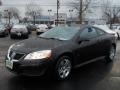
(63, 68)
(110, 57)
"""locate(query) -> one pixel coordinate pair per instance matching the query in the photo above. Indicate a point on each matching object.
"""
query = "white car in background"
(53, 25)
(117, 30)
(41, 28)
(106, 28)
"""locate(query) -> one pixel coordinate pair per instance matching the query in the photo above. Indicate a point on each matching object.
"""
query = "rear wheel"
(110, 57)
(63, 68)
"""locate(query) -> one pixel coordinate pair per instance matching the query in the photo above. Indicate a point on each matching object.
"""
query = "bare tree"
(110, 12)
(13, 12)
(33, 10)
(81, 6)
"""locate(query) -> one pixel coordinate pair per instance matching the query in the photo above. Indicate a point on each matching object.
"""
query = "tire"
(63, 68)
(110, 57)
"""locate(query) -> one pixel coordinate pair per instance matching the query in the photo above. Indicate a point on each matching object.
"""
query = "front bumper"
(30, 68)
(18, 34)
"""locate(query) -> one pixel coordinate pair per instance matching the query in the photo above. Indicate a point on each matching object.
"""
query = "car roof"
(105, 28)
(19, 25)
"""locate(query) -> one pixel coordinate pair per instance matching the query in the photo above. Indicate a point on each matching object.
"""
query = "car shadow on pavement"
(2, 36)
(19, 38)
(83, 78)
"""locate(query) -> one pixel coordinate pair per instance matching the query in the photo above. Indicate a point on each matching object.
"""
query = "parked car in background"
(8, 27)
(31, 27)
(117, 30)
(41, 29)
(53, 25)
(3, 30)
(106, 29)
(49, 26)
(59, 50)
(19, 30)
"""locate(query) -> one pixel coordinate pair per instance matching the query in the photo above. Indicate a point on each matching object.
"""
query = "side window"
(88, 33)
(99, 31)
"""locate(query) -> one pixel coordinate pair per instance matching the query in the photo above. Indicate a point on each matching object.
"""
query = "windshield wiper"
(51, 38)
(55, 39)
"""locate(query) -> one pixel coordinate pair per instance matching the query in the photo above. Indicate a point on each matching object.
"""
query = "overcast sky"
(20, 4)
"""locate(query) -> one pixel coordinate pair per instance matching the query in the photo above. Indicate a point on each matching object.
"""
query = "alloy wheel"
(64, 68)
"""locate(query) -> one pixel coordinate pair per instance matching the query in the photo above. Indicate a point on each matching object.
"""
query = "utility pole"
(6, 11)
(71, 15)
(9, 13)
(34, 17)
(80, 12)
(58, 6)
(0, 13)
(49, 10)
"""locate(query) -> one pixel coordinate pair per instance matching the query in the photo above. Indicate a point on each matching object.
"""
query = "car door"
(87, 48)
(103, 42)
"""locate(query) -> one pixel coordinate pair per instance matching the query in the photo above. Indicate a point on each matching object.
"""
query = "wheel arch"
(69, 54)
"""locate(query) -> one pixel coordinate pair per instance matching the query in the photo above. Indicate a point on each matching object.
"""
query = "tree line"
(110, 12)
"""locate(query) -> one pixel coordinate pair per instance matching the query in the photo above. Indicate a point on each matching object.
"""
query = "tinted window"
(88, 33)
(99, 31)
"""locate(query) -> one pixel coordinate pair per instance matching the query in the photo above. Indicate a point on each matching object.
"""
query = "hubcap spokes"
(64, 68)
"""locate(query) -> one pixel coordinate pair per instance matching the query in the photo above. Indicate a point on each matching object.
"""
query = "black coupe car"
(59, 50)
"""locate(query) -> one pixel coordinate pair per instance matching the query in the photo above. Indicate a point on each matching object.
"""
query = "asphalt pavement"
(94, 76)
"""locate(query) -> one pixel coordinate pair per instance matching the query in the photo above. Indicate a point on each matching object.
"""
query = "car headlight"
(39, 55)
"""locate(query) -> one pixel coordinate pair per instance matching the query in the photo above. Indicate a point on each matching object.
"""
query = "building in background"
(62, 19)
(50, 20)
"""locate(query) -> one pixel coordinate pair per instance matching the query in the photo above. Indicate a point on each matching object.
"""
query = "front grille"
(16, 56)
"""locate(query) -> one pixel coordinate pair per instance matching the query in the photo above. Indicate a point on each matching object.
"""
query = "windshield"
(1, 27)
(61, 33)
(19, 26)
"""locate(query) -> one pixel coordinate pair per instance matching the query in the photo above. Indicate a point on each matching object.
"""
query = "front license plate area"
(19, 34)
(9, 64)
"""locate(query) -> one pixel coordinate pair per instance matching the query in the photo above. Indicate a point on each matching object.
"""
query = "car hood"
(36, 44)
